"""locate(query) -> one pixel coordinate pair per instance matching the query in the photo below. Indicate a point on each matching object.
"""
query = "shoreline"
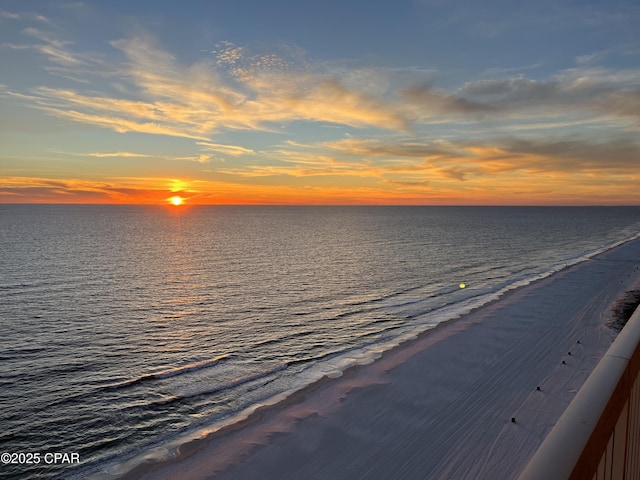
(224, 448)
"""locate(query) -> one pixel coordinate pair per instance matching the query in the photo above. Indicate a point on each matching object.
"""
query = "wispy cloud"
(203, 158)
(464, 160)
(115, 154)
(195, 101)
(58, 191)
(399, 148)
(25, 16)
(57, 50)
(595, 90)
(233, 150)
(116, 114)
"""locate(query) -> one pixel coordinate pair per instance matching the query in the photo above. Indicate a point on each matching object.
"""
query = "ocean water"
(129, 329)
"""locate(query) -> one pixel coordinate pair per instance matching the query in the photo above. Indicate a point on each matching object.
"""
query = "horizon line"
(316, 204)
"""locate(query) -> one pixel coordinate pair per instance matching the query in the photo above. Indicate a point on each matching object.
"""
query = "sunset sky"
(320, 102)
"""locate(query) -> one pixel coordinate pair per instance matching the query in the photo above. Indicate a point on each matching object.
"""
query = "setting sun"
(176, 201)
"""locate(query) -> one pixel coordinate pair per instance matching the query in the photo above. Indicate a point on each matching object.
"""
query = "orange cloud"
(234, 150)
(115, 154)
(196, 101)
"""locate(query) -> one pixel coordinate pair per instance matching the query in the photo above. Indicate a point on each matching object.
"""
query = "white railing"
(598, 436)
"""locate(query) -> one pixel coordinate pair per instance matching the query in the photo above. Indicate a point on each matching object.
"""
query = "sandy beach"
(459, 402)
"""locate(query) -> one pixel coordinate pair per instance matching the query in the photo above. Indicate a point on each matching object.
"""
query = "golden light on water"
(177, 201)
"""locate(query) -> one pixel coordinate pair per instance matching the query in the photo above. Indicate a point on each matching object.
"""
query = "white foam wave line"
(238, 381)
(170, 372)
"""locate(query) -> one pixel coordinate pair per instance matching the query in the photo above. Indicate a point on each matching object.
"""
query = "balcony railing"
(598, 436)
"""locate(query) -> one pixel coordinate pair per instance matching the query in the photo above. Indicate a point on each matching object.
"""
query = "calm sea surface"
(124, 328)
